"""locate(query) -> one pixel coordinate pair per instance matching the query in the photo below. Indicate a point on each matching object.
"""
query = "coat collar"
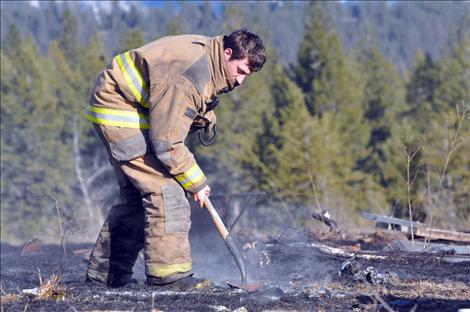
(220, 78)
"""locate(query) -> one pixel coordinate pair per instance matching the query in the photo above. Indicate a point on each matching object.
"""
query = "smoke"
(294, 263)
(211, 257)
(287, 261)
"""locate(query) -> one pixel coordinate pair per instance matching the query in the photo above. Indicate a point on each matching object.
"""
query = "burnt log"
(325, 218)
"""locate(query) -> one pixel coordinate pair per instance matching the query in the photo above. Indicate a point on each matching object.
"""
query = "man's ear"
(228, 53)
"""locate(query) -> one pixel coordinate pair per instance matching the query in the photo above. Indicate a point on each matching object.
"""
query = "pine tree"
(233, 18)
(91, 62)
(176, 26)
(90, 157)
(239, 121)
(207, 18)
(383, 102)
(69, 40)
(312, 58)
(133, 39)
(455, 69)
(32, 148)
(447, 153)
(333, 97)
(282, 151)
(12, 40)
(329, 82)
(420, 92)
(434, 88)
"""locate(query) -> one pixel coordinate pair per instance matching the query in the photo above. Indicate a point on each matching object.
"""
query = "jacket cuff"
(197, 189)
(192, 180)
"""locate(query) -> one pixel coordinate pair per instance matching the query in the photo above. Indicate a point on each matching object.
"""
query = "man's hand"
(201, 195)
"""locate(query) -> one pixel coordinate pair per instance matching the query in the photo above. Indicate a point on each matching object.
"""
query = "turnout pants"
(153, 213)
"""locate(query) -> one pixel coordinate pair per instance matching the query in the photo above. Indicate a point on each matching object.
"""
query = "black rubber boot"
(179, 282)
(112, 279)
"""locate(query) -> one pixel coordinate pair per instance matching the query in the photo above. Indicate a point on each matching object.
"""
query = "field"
(299, 270)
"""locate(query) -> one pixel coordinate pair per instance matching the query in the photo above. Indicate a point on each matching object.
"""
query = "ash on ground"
(299, 271)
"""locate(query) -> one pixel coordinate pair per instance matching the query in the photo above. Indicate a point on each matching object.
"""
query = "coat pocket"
(131, 147)
(177, 209)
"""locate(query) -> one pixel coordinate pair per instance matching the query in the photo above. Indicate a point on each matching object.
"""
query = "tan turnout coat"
(151, 96)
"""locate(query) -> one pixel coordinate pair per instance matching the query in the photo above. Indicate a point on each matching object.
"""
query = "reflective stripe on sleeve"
(117, 118)
(133, 78)
(191, 177)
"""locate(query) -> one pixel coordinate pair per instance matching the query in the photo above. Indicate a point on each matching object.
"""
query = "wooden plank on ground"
(455, 259)
(389, 220)
(408, 246)
(419, 229)
(442, 234)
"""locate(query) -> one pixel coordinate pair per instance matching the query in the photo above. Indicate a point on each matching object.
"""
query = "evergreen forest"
(363, 106)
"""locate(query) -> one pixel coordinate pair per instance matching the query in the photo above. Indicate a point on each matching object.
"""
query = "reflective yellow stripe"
(121, 124)
(115, 112)
(191, 177)
(140, 82)
(162, 270)
(117, 118)
(137, 85)
(137, 73)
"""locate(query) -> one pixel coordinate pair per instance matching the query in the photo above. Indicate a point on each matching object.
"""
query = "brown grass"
(52, 289)
(8, 298)
(408, 289)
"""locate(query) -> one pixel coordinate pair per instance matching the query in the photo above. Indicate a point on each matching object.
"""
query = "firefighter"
(143, 106)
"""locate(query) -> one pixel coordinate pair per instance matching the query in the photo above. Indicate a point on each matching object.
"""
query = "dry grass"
(8, 298)
(49, 289)
(427, 288)
(407, 289)
(411, 289)
(52, 289)
(32, 246)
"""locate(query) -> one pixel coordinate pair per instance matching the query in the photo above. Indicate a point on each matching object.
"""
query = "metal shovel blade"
(227, 238)
(246, 287)
(237, 256)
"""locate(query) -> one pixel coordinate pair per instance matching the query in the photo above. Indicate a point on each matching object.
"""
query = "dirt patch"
(297, 277)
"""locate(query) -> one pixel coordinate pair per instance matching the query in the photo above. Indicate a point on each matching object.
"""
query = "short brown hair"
(246, 44)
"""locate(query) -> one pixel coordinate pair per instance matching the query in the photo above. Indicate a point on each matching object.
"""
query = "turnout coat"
(151, 97)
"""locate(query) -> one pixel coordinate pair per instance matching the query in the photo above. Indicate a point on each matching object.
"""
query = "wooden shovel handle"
(216, 219)
(231, 245)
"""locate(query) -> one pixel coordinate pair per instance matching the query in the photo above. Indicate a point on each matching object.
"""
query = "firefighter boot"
(179, 282)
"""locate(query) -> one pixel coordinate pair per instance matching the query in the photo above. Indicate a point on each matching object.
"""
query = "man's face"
(237, 69)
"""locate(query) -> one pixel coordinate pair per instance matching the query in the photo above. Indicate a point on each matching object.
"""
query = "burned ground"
(296, 273)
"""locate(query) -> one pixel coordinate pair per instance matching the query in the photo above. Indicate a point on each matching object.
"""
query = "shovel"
(231, 246)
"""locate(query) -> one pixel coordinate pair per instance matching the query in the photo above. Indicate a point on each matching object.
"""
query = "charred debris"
(298, 270)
